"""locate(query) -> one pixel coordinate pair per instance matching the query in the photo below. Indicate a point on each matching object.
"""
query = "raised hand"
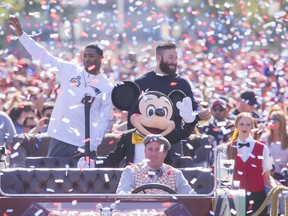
(15, 25)
(186, 110)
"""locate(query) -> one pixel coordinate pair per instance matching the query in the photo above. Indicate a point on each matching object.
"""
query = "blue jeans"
(58, 148)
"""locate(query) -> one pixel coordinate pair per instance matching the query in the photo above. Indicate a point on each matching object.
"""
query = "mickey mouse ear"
(124, 94)
(176, 95)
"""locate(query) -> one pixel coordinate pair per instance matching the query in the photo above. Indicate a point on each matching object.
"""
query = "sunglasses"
(274, 119)
(220, 109)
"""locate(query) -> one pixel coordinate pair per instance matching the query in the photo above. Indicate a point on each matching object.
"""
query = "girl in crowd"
(252, 163)
(276, 139)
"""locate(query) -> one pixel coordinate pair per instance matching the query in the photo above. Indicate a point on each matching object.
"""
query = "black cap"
(249, 97)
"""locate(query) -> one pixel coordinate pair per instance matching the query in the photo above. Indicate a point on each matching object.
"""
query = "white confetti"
(66, 120)
(106, 177)
(260, 157)
(233, 211)
(39, 212)
(211, 212)
(161, 148)
(59, 181)
(189, 146)
(71, 92)
(221, 124)
(193, 180)
(15, 154)
(105, 42)
(9, 210)
(99, 162)
(51, 69)
(81, 150)
(50, 190)
(16, 146)
(54, 35)
(156, 27)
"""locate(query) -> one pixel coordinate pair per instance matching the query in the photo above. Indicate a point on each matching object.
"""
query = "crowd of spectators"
(26, 88)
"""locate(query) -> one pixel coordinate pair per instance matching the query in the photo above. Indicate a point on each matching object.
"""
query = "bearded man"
(164, 78)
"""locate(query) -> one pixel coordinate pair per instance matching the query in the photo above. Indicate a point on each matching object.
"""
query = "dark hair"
(46, 106)
(98, 50)
(16, 110)
(30, 117)
(164, 46)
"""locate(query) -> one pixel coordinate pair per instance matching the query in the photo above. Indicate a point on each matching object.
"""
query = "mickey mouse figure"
(151, 112)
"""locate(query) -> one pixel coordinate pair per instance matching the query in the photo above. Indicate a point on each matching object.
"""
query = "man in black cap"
(247, 103)
(153, 170)
(219, 126)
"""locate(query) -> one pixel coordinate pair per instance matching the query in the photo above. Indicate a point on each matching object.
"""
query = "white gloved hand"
(82, 163)
(186, 110)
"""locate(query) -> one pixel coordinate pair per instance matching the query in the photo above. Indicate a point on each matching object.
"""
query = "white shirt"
(246, 152)
(279, 155)
(139, 155)
(67, 122)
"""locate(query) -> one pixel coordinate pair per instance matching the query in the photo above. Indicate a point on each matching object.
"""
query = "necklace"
(88, 81)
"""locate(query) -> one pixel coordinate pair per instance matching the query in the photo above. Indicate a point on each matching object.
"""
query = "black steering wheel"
(153, 186)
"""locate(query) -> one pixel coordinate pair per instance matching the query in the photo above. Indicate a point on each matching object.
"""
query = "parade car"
(54, 186)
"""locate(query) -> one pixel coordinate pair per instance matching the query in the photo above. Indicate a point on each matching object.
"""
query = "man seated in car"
(153, 170)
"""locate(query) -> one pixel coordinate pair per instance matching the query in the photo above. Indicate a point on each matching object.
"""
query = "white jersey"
(67, 122)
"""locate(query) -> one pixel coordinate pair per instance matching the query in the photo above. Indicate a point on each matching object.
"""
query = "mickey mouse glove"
(186, 110)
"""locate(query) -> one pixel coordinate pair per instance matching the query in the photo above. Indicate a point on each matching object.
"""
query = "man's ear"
(166, 152)
(158, 57)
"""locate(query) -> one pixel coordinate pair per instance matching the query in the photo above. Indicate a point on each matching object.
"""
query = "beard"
(165, 67)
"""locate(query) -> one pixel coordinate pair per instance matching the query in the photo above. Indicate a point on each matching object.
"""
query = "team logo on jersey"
(96, 90)
(75, 81)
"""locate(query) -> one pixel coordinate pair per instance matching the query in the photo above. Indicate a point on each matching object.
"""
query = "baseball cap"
(158, 138)
(219, 102)
(249, 97)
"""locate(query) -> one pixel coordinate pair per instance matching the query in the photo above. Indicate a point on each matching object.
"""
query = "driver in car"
(154, 170)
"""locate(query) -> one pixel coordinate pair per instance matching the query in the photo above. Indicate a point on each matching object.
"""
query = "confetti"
(106, 177)
(9, 210)
(50, 190)
(161, 148)
(193, 181)
(54, 35)
(14, 155)
(189, 146)
(59, 181)
(16, 146)
(65, 120)
(39, 212)
(81, 150)
(99, 162)
(70, 91)
(233, 211)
